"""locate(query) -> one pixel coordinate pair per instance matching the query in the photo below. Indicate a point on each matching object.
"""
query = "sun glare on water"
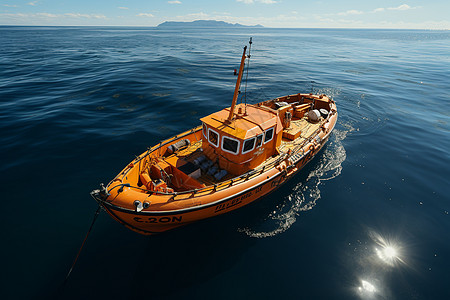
(377, 264)
(388, 254)
(366, 287)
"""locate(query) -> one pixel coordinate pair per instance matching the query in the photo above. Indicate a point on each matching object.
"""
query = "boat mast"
(238, 84)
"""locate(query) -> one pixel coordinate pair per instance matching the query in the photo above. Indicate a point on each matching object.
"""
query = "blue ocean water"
(368, 218)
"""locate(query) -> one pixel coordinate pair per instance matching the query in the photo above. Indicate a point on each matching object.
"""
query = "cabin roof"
(242, 127)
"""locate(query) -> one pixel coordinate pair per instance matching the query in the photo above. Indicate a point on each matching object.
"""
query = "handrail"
(154, 148)
(216, 187)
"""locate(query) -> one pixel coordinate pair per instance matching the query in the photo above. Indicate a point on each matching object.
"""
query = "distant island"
(205, 24)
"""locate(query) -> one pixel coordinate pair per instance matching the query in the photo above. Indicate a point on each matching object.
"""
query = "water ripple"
(305, 194)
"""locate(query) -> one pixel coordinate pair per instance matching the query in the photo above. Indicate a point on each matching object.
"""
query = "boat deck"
(302, 128)
(307, 129)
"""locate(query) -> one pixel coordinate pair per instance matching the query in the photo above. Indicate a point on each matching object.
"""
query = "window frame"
(238, 145)
(203, 130)
(271, 138)
(218, 138)
(254, 144)
(262, 140)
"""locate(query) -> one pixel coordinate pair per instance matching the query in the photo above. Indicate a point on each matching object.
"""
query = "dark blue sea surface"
(368, 218)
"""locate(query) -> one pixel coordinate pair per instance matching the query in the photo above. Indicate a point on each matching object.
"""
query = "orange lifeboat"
(236, 156)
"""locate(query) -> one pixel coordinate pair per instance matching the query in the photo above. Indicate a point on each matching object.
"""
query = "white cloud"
(122, 7)
(9, 5)
(350, 12)
(194, 16)
(400, 7)
(33, 3)
(77, 15)
(221, 13)
(43, 16)
(48, 15)
(174, 2)
(145, 15)
(255, 1)
(20, 15)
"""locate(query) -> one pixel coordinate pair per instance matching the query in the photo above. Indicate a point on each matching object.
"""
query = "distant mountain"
(205, 24)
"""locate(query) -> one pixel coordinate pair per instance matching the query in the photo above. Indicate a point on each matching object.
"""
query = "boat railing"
(211, 188)
(153, 149)
(226, 184)
(215, 187)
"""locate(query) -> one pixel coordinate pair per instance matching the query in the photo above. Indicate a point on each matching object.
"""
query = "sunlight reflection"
(389, 254)
(376, 258)
(367, 287)
(367, 290)
(389, 251)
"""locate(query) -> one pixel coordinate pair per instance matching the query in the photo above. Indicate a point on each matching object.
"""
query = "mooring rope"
(84, 241)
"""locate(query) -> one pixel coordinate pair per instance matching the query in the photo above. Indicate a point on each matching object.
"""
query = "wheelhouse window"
(249, 145)
(259, 140)
(230, 145)
(213, 137)
(205, 130)
(269, 135)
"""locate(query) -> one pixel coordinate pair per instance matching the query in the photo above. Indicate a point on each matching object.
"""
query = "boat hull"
(215, 202)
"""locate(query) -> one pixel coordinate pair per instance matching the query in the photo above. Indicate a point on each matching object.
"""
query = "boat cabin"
(244, 142)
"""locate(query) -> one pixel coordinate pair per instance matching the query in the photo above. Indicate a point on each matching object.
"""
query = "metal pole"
(238, 84)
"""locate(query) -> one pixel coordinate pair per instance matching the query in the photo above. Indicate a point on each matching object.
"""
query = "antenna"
(246, 75)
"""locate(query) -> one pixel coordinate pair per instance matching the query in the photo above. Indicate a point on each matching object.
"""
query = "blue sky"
(410, 14)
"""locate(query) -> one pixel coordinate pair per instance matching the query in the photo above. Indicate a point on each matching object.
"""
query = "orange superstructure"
(245, 142)
(236, 156)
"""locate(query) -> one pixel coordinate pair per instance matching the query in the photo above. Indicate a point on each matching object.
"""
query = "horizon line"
(244, 27)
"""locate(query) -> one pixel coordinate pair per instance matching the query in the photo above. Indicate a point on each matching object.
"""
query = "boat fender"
(212, 170)
(323, 113)
(177, 146)
(314, 115)
(206, 164)
(199, 160)
(220, 174)
(281, 104)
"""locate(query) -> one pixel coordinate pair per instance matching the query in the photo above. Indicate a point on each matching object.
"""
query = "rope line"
(84, 241)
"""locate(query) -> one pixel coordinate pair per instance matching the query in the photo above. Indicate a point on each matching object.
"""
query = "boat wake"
(305, 194)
